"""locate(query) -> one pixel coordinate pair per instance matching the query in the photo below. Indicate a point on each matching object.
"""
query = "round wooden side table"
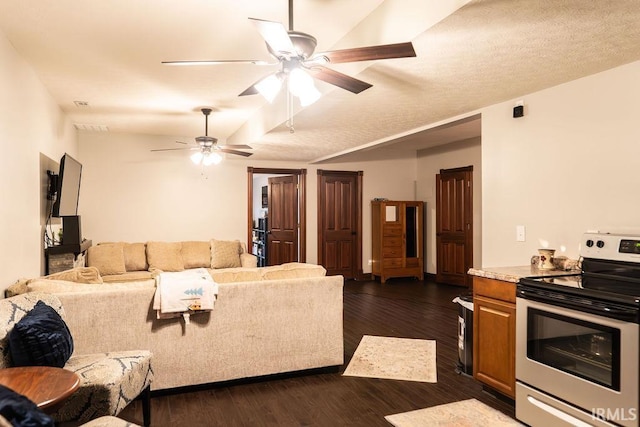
(46, 386)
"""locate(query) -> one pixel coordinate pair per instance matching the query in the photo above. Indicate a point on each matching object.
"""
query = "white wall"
(131, 194)
(30, 124)
(571, 164)
(430, 161)
(259, 180)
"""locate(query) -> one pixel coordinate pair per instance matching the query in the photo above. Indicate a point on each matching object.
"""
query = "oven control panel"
(628, 246)
(619, 247)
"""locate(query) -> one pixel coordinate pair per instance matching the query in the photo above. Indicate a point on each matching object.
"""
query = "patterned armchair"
(108, 381)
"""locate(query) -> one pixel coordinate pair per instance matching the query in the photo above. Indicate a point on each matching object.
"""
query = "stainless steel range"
(577, 339)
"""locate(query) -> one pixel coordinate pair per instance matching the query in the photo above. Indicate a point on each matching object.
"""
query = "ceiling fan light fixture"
(300, 82)
(301, 85)
(309, 96)
(270, 86)
(197, 157)
(211, 159)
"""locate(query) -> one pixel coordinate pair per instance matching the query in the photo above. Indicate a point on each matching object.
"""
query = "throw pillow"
(135, 257)
(196, 254)
(164, 256)
(225, 253)
(107, 258)
(78, 275)
(18, 410)
(40, 338)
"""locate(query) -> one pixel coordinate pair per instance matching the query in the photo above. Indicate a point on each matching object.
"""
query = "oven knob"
(599, 243)
(589, 243)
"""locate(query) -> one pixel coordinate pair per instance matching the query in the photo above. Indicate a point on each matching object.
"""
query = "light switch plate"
(520, 233)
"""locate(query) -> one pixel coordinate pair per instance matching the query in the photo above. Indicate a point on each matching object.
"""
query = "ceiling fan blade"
(387, 51)
(338, 79)
(174, 149)
(239, 153)
(217, 62)
(276, 36)
(251, 90)
(236, 146)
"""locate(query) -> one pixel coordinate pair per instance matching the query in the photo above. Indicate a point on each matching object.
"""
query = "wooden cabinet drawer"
(497, 289)
(392, 262)
(392, 252)
(393, 241)
(391, 230)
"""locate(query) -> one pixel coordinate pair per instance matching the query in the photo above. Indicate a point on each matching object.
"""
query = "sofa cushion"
(293, 270)
(135, 257)
(164, 256)
(61, 286)
(196, 254)
(239, 274)
(129, 276)
(107, 258)
(109, 382)
(79, 275)
(40, 338)
(225, 253)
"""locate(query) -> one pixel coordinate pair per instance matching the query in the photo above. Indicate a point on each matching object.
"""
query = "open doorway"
(276, 227)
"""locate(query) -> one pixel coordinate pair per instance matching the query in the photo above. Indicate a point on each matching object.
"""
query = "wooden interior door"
(454, 226)
(282, 225)
(340, 222)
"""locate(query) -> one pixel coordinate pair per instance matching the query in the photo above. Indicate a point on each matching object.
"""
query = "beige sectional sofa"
(265, 321)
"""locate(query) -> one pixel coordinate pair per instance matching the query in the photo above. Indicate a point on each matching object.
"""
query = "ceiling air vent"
(91, 128)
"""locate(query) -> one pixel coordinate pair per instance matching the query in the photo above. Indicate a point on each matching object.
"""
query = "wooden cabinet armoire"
(397, 238)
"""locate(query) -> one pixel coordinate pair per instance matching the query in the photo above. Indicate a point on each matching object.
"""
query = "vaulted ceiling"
(470, 54)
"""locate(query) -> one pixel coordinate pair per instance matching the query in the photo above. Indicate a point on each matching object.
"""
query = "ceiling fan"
(208, 146)
(294, 51)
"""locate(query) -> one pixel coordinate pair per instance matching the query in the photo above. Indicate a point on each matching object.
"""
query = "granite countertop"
(513, 274)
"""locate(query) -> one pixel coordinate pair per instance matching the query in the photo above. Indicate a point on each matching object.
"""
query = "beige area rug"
(467, 413)
(394, 358)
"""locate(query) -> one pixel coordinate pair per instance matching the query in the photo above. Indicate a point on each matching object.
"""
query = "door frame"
(301, 176)
(359, 275)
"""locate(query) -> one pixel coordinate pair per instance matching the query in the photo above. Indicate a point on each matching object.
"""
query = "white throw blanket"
(183, 293)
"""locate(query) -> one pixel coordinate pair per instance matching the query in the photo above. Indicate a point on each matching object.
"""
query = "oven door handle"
(557, 413)
(628, 314)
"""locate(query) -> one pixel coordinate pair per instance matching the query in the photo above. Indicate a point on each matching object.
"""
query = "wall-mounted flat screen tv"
(66, 203)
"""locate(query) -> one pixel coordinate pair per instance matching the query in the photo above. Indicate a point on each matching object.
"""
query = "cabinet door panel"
(494, 344)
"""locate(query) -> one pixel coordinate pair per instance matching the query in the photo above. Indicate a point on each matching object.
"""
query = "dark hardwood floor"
(400, 308)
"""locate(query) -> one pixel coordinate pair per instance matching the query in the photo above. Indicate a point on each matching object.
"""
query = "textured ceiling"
(470, 54)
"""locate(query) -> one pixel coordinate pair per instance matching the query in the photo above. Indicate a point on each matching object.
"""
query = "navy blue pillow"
(40, 338)
(20, 411)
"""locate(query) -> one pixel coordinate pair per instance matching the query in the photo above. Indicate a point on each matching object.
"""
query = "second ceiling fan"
(294, 51)
(207, 146)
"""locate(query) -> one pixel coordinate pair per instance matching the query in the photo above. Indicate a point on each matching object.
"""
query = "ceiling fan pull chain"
(289, 122)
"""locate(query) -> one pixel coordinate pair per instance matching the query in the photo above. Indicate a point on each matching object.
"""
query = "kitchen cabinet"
(397, 239)
(494, 334)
